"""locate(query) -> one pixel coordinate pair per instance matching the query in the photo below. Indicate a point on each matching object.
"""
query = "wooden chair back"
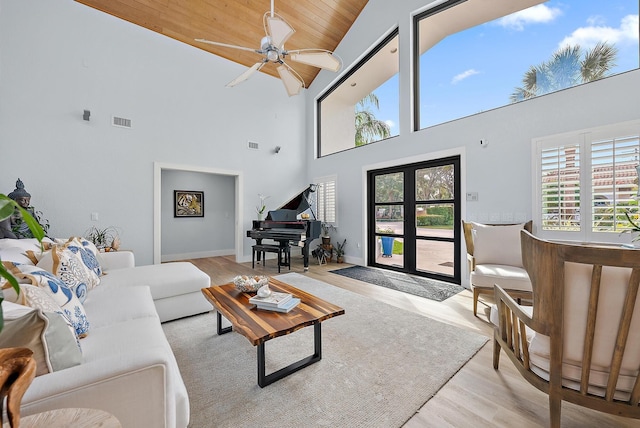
(585, 300)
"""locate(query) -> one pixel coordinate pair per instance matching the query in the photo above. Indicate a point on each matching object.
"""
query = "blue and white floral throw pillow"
(61, 293)
(75, 263)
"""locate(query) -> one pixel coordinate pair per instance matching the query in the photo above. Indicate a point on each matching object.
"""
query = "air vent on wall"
(252, 145)
(121, 122)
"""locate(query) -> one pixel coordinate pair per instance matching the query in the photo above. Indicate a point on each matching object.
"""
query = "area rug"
(423, 287)
(379, 365)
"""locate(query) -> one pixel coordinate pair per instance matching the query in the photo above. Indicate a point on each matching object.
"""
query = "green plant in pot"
(103, 238)
(634, 228)
(340, 251)
(7, 208)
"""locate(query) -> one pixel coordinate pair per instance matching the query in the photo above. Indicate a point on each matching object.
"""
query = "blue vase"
(387, 246)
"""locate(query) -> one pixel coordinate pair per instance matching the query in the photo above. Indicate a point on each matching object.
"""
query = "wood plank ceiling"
(318, 24)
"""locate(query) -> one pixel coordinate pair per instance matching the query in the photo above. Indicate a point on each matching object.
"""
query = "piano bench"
(284, 254)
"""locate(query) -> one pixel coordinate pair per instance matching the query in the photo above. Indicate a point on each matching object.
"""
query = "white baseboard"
(354, 260)
(196, 255)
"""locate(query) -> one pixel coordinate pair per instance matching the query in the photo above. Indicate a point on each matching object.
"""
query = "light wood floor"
(477, 396)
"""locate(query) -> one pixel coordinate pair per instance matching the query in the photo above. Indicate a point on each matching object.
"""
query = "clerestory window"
(363, 106)
(470, 57)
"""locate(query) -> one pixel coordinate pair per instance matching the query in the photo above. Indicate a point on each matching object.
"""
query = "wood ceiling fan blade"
(278, 30)
(244, 76)
(291, 80)
(226, 45)
(316, 58)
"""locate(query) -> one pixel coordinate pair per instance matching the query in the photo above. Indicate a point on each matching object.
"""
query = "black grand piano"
(282, 225)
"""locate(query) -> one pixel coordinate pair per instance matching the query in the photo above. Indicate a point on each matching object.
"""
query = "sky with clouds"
(477, 69)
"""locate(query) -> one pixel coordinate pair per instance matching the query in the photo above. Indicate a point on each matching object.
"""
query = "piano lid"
(300, 202)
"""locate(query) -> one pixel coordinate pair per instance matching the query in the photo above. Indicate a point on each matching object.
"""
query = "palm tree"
(565, 69)
(368, 127)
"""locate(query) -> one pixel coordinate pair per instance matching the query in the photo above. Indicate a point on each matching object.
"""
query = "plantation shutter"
(587, 183)
(560, 188)
(326, 197)
(614, 182)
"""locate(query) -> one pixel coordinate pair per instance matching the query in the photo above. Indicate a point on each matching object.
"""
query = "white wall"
(500, 173)
(58, 57)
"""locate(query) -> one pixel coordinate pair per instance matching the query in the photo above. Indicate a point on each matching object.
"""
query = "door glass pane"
(434, 220)
(390, 251)
(435, 183)
(435, 256)
(390, 219)
(389, 188)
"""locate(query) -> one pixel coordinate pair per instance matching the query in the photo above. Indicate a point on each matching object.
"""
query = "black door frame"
(408, 204)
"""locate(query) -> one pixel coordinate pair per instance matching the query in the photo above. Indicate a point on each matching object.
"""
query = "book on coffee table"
(274, 300)
(284, 308)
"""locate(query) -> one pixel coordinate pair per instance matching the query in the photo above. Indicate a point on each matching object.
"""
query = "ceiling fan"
(278, 31)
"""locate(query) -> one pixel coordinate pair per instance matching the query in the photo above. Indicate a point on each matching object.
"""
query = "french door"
(413, 216)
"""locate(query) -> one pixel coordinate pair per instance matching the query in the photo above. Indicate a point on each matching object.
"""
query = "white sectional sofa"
(175, 287)
(127, 367)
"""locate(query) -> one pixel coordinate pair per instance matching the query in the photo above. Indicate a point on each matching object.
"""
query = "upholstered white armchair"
(581, 341)
(494, 257)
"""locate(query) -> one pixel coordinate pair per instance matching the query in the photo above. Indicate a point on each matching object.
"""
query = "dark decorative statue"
(18, 227)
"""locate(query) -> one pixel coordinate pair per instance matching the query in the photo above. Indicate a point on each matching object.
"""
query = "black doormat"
(418, 286)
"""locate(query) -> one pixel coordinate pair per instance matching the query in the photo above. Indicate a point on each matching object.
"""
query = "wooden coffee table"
(259, 325)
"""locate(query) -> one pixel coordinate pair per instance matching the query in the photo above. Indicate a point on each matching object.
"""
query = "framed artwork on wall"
(188, 203)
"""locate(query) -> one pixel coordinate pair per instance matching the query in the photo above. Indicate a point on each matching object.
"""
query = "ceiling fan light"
(273, 56)
(291, 83)
(279, 31)
(323, 60)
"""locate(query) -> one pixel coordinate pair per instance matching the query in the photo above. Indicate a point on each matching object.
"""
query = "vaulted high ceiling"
(318, 24)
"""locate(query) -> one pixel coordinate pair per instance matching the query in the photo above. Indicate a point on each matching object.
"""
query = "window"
(326, 199)
(586, 181)
(363, 106)
(471, 58)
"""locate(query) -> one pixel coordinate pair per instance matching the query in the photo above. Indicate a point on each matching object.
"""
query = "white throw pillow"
(15, 254)
(498, 245)
(47, 334)
(24, 244)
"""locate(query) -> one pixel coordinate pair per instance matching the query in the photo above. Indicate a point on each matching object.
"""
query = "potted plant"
(323, 253)
(326, 230)
(340, 251)
(260, 209)
(106, 239)
(634, 228)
